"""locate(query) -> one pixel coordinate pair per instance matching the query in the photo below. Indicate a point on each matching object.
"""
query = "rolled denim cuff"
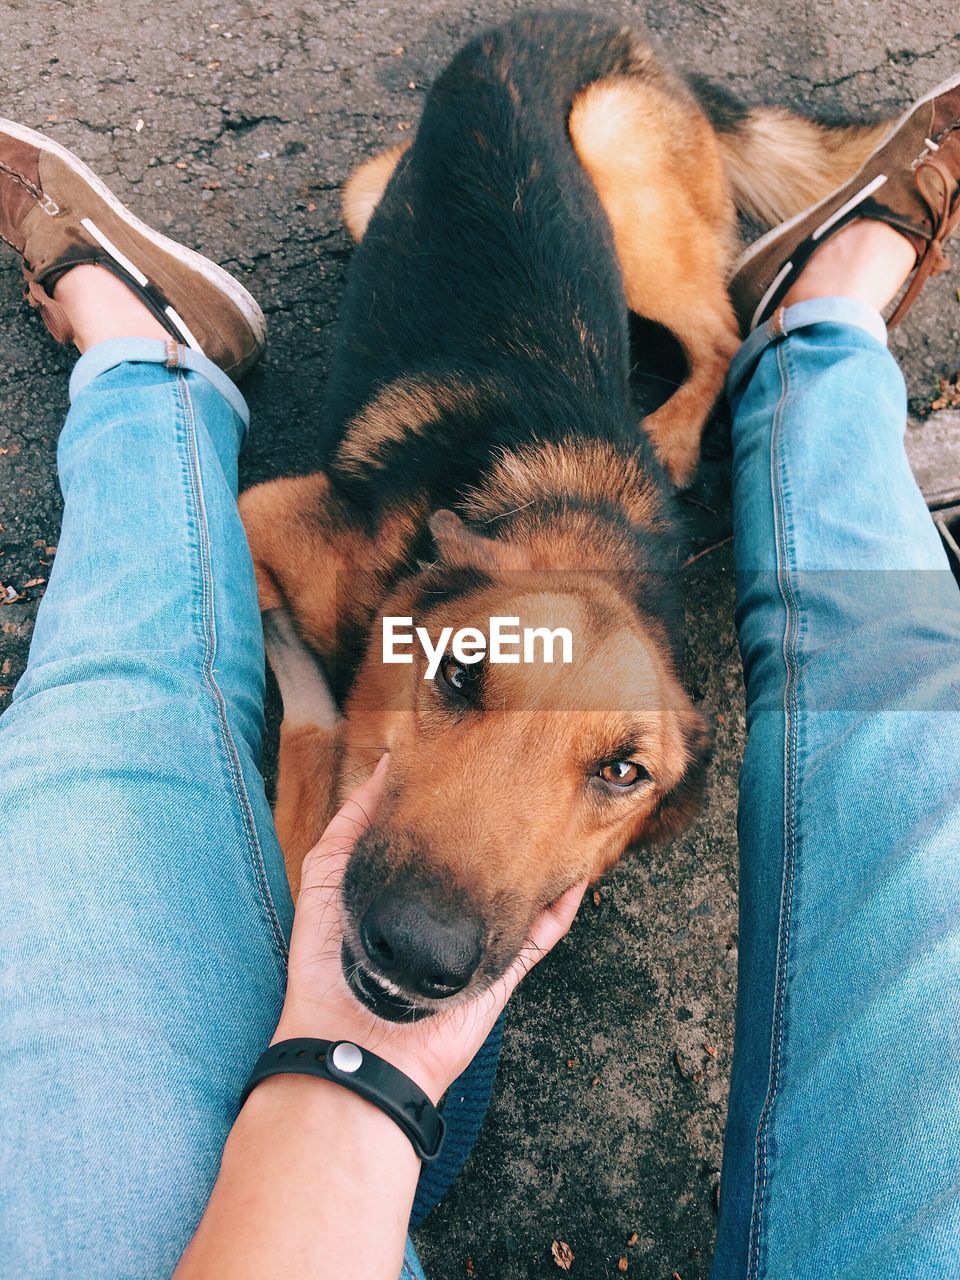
(173, 355)
(411, 1269)
(787, 320)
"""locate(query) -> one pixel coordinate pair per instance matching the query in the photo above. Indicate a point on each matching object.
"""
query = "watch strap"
(364, 1073)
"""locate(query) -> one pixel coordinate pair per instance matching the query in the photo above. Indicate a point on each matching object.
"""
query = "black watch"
(364, 1073)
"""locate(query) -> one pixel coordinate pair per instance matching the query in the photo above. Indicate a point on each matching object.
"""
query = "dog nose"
(430, 950)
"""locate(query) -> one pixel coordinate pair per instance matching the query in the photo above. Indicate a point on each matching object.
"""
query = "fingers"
(332, 850)
(555, 921)
(359, 811)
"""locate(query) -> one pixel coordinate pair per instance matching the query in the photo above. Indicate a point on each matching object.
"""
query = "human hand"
(432, 1052)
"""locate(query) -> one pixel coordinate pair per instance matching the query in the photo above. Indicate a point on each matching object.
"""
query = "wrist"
(322, 1116)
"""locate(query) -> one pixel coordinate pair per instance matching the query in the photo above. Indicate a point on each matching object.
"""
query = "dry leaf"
(949, 395)
(622, 1264)
(562, 1254)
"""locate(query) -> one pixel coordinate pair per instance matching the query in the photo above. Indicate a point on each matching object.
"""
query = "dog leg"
(308, 742)
(707, 331)
(307, 699)
(306, 792)
(296, 533)
(320, 575)
(655, 163)
(303, 536)
(365, 187)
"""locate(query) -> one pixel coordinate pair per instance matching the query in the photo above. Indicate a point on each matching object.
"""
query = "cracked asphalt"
(231, 127)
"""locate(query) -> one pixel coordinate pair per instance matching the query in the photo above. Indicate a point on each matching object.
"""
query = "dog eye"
(459, 679)
(623, 774)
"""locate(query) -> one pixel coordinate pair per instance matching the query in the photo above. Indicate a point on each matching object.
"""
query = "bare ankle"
(100, 306)
(866, 260)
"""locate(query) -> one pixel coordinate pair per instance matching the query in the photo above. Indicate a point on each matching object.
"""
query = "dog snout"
(431, 949)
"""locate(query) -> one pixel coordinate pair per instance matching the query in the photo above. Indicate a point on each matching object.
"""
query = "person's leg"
(145, 908)
(842, 1151)
(145, 914)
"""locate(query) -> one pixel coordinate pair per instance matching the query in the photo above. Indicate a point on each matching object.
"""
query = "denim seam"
(208, 622)
(791, 634)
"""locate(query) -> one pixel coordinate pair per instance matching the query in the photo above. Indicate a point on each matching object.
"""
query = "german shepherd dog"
(484, 459)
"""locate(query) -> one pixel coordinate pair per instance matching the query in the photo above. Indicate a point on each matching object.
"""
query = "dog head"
(510, 779)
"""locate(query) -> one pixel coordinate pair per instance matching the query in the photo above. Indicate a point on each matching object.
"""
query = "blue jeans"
(842, 1149)
(145, 912)
(144, 921)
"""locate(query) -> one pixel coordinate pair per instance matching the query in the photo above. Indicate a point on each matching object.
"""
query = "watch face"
(346, 1057)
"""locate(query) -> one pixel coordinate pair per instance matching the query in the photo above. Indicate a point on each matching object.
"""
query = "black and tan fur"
(561, 176)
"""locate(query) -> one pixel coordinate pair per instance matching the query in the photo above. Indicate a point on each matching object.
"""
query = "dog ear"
(461, 548)
(680, 806)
